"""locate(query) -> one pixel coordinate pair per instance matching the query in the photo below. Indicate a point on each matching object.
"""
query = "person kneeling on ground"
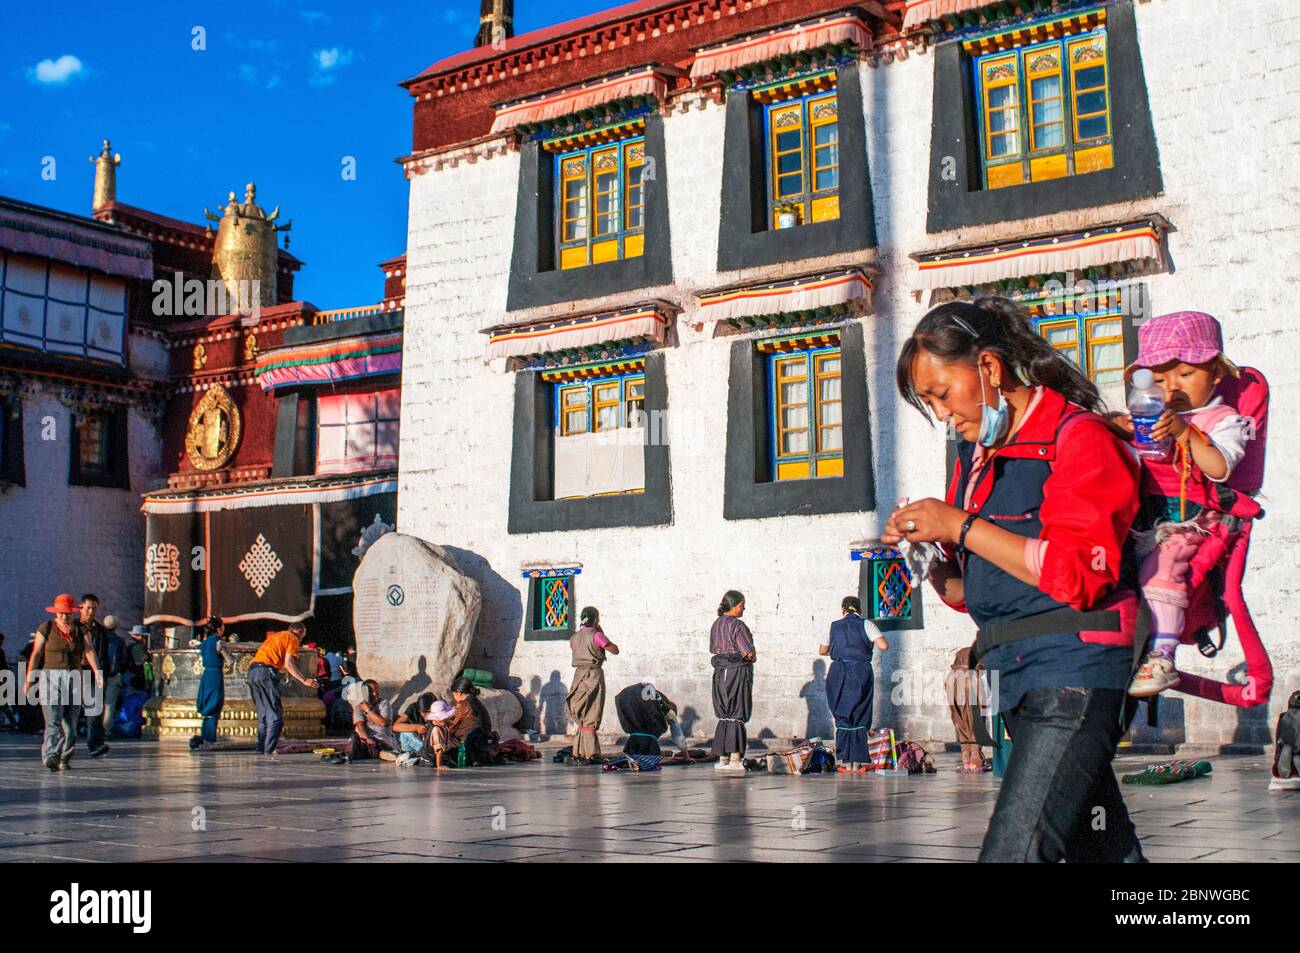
(371, 717)
(412, 728)
(470, 726)
(646, 713)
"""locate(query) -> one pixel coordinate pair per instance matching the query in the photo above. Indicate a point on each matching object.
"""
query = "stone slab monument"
(414, 613)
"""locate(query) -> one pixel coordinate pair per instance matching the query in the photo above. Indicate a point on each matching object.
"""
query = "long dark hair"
(591, 616)
(730, 601)
(464, 686)
(998, 325)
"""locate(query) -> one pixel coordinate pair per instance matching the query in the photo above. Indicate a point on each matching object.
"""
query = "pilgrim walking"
(732, 646)
(61, 648)
(1034, 443)
(586, 701)
(850, 684)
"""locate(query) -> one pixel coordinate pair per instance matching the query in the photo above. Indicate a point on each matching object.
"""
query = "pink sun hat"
(1191, 336)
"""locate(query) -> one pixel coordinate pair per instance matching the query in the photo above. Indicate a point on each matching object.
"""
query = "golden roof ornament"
(106, 164)
(244, 255)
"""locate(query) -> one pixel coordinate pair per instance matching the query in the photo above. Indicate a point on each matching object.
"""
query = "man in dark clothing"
(98, 637)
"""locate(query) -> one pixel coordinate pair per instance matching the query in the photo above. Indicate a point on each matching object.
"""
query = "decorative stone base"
(178, 719)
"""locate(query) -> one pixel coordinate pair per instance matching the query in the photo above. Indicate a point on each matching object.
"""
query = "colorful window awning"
(642, 81)
(921, 12)
(632, 325)
(330, 361)
(790, 296)
(1131, 241)
(799, 38)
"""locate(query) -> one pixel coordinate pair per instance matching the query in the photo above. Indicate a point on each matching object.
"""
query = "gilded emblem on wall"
(214, 430)
(198, 666)
(200, 357)
(168, 668)
(250, 347)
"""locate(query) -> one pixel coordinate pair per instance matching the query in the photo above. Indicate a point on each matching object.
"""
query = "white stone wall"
(658, 587)
(59, 538)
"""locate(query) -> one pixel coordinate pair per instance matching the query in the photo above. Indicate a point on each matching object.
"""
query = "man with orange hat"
(61, 648)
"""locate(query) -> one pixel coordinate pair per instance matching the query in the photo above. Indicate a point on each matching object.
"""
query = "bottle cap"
(1143, 377)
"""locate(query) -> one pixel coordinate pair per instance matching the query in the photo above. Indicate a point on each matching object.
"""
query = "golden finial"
(106, 164)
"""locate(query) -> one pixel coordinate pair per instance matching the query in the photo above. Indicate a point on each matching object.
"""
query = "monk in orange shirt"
(278, 653)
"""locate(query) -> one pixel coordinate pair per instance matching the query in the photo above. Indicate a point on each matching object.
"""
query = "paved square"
(144, 801)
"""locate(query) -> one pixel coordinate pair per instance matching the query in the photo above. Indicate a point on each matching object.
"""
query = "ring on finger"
(911, 526)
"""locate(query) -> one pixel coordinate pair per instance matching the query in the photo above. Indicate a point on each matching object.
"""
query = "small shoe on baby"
(1154, 675)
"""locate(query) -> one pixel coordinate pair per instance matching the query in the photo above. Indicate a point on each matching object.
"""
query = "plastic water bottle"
(460, 756)
(1146, 402)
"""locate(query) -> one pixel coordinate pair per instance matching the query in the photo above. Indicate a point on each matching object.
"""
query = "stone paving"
(144, 800)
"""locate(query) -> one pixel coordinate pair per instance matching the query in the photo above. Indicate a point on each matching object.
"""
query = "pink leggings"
(1164, 578)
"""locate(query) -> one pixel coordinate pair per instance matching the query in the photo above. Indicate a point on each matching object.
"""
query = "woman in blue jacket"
(850, 683)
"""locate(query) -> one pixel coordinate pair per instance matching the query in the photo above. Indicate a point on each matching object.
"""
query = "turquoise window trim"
(589, 383)
(623, 231)
(1023, 115)
(810, 191)
(810, 356)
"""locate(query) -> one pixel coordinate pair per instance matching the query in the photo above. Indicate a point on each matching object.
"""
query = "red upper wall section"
(455, 96)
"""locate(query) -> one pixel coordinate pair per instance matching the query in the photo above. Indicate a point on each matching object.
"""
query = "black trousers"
(1059, 799)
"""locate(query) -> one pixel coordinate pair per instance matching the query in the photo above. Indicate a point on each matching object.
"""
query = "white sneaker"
(405, 759)
(1284, 784)
(737, 766)
(1154, 675)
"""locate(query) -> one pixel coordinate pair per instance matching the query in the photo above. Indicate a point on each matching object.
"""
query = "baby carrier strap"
(1065, 620)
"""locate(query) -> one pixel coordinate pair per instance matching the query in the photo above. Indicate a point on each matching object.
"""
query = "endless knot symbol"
(260, 565)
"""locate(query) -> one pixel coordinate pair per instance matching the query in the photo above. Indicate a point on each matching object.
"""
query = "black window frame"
(956, 196)
(532, 508)
(13, 468)
(750, 492)
(117, 474)
(745, 236)
(536, 279)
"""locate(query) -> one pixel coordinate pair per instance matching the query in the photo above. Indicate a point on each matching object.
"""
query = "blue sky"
(282, 93)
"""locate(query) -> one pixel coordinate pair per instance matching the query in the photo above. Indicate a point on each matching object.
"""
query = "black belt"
(1053, 622)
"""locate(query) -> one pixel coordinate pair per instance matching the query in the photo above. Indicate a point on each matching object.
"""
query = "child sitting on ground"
(1184, 351)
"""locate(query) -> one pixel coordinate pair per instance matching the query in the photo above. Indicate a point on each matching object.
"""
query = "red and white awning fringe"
(644, 81)
(642, 323)
(811, 35)
(920, 12)
(787, 297)
(1041, 256)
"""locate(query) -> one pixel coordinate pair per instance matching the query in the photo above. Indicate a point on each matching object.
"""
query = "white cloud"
(328, 62)
(56, 72)
(332, 58)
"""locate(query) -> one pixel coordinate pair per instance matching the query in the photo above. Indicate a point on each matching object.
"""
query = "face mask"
(993, 420)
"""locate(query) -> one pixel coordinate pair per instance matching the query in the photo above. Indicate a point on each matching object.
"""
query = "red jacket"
(1089, 498)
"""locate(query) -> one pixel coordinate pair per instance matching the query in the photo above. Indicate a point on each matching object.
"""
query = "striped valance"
(790, 296)
(921, 12)
(1132, 241)
(330, 361)
(799, 38)
(254, 495)
(637, 324)
(642, 81)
